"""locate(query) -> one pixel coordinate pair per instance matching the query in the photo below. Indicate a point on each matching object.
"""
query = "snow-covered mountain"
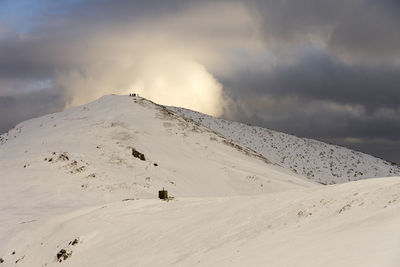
(84, 157)
(319, 161)
(79, 188)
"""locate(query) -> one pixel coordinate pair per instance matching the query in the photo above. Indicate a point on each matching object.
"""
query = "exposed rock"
(63, 157)
(137, 154)
(74, 242)
(128, 199)
(20, 259)
(63, 255)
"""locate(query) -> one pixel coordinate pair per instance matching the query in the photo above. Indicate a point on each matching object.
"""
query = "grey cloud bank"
(321, 69)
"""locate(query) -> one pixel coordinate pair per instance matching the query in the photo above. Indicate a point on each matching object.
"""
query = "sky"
(322, 69)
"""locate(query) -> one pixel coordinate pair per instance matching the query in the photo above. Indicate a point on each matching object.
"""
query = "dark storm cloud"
(377, 147)
(58, 28)
(318, 76)
(21, 59)
(360, 28)
(321, 96)
(15, 109)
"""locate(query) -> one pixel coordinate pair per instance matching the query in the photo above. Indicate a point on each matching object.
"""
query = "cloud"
(166, 79)
(357, 31)
(318, 96)
(25, 106)
(163, 50)
(180, 82)
(317, 75)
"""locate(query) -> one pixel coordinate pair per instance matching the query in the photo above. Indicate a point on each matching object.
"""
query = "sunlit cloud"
(168, 59)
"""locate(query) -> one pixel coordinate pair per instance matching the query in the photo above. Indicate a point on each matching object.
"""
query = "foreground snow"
(354, 224)
(319, 161)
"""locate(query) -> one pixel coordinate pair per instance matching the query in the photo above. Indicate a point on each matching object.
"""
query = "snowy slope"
(83, 157)
(353, 224)
(325, 163)
(71, 187)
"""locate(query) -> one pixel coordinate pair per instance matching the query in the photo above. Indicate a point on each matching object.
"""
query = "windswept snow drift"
(354, 224)
(319, 161)
(80, 187)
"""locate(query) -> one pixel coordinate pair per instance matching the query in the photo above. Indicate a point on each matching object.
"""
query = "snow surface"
(353, 224)
(318, 161)
(71, 186)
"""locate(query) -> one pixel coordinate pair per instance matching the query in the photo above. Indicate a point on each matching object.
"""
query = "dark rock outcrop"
(138, 155)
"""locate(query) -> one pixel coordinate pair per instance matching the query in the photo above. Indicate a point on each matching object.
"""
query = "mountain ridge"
(316, 160)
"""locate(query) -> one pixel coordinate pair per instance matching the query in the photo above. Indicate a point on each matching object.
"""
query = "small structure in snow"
(163, 194)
